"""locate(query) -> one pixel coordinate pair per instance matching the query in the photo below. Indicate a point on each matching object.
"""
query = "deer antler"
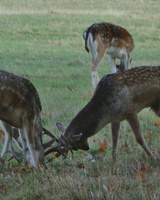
(45, 131)
(54, 149)
(62, 148)
(61, 151)
(54, 138)
(15, 154)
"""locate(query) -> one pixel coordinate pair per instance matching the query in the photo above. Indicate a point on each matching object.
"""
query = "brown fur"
(20, 107)
(119, 96)
(101, 38)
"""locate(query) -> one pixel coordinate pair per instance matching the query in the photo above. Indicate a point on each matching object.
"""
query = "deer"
(116, 41)
(20, 109)
(119, 96)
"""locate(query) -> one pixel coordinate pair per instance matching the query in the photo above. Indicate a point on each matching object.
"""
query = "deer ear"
(76, 138)
(84, 35)
(60, 127)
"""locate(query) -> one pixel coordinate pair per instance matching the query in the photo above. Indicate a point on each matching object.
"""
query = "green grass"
(42, 40)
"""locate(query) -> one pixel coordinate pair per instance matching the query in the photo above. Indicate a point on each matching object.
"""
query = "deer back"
(110, 35)
(17, 97)
(131, 90)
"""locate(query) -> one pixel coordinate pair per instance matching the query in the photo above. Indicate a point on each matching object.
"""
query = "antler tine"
(67, 147)
(45, 131)
(65, 140)
(48, 144)
(15, 154)
(55, 149)
(70, 148)
(62, 141)
(54, 138)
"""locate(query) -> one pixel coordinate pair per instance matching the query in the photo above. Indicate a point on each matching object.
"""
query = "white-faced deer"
(20, 107)
(119, 96)
(101, 38)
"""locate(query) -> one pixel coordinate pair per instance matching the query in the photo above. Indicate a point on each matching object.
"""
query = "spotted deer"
(20, 109)
(101, 38)
(118, 96)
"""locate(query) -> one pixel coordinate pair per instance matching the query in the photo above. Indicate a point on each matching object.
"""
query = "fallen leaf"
(126, 188)
(86, 154)
(82, 187)
(1, 132)
(125, 145)
(103, 146)
(97, 141)
(111, 188)
(149, 19)
(80, 165)
(43, 113)
(156, 122)
(142, 170)
(70, 88)
(141, 175)
(2, 186)
(55, 113)
(150, 135)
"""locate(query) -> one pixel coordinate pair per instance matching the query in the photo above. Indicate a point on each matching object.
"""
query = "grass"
(42, 40)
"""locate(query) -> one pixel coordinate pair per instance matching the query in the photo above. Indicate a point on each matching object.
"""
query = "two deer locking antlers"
(118, 96)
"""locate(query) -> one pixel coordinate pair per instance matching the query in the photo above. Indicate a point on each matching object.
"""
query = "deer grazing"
(20, 108)
(118, 96)
(101, 38)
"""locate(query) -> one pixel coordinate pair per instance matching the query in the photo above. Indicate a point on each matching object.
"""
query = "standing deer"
(119, 96)
(101, 38)
(20, 107)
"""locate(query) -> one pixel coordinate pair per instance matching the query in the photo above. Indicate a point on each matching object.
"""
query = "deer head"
(120, 96)
(75, 140)
(101, 38)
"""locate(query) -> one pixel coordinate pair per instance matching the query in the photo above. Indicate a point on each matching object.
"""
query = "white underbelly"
(116, 52)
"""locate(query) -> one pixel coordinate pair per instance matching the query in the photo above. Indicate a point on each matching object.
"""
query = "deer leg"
(134, 123)
(129, 60)
(115, 126)
(125, 61)
(9, 134)
(16, 134)
(121, 66)
(24, 144)
(30, 139)
(112, 61)
(97, 57)
(8, 138)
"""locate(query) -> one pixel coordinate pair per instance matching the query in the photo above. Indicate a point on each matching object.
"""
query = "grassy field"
(42, 40)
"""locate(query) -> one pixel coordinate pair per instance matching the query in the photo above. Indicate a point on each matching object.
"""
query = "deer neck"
(89, 120)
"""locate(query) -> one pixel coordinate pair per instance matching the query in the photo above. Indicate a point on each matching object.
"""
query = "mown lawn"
(42, 40)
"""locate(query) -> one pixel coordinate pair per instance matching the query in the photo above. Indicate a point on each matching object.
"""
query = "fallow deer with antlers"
(20, 107)
(101, 38)
(118, 96)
